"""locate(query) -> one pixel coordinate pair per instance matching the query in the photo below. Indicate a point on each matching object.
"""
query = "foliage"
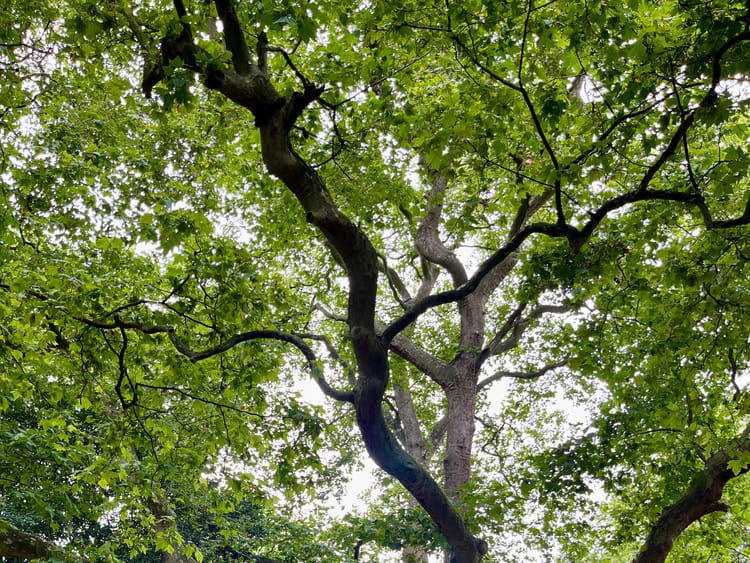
(507, 241)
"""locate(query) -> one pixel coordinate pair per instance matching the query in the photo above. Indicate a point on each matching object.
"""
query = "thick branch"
(484, 269)
(414, 440)
(428, 242)
(361, 264)
(702, 499)
(23, 545)
(576, 237)
(436, 369)
(234, 38)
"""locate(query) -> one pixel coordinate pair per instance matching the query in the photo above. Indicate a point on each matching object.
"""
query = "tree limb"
(234, 38)
(701, 499)
(196, 356)
(427, 240)
(576, 237)
(23, 545)
(519, 374)
(516, 326)
(436, 369)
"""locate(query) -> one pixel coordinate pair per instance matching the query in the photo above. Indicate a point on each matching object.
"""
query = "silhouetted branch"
(196, 356)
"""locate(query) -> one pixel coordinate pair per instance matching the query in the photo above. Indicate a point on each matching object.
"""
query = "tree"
(417, 201)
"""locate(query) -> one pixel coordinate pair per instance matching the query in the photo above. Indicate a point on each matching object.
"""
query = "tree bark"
(416, 447)
(166, 524)
(23, 545)
(702, 498)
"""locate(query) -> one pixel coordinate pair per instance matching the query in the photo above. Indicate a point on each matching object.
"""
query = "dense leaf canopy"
(501, 247)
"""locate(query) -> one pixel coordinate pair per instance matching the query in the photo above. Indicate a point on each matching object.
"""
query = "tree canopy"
(501, 247)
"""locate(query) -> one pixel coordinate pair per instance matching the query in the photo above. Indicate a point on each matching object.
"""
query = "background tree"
(460, 195)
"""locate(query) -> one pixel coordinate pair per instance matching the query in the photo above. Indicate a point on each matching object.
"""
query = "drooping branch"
(701, 499)
(196, 356)
(301, 345)
(193, 397)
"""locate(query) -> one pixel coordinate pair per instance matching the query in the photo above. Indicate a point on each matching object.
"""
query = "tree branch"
(23, 545)
(427, 240)
(413, 439)
(519, 374)
(576, 237)
(701, 499)
(234, 38)
(440, 371)
(398, 288)
(196, 356)
(516, 326)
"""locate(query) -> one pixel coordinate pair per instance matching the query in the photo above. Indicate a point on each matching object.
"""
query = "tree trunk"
(165, 524)
(460, 436)
(417, 448)
(459, 440)
(248, 85)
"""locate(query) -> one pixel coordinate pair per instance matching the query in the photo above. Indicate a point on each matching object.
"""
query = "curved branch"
(576, 237)
(703, 498)
(716, 67)
(427, 240)
(196, 356)
(334, 353)
(484, 269)
(301, 345)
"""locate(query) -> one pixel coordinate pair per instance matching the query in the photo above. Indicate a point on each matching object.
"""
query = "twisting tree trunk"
(248, 85)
